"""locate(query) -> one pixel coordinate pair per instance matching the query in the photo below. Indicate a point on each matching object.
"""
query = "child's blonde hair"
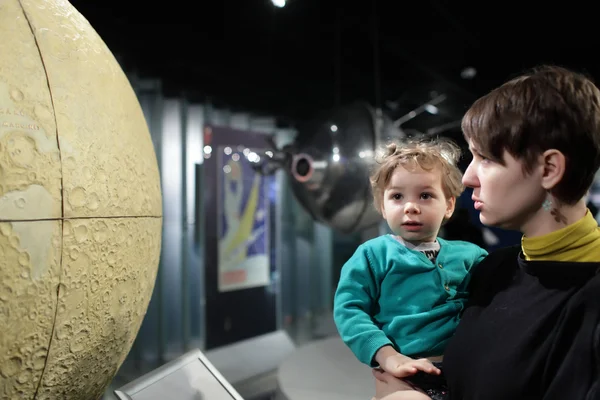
(412, 154)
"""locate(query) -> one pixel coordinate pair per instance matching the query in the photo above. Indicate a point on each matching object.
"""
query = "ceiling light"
(431, 109)
(468, 73)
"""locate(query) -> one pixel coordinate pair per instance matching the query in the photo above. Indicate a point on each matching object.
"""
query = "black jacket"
(531, 330)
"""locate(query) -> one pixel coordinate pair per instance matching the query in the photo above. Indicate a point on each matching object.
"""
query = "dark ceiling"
(315, 54)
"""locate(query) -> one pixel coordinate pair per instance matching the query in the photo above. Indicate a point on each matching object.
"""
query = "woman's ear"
(553, 164)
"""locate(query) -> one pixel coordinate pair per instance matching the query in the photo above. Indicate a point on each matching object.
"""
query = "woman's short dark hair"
(548, 108)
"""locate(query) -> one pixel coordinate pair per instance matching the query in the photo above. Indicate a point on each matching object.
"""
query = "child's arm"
(355, 304)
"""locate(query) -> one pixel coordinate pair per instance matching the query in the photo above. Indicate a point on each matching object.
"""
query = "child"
(400, 295)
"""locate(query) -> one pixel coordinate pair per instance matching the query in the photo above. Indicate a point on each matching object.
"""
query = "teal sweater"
(391, 295)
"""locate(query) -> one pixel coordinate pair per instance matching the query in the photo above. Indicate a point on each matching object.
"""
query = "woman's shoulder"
(504, 253)
(497, 269)
(499, 258)
(588, 295)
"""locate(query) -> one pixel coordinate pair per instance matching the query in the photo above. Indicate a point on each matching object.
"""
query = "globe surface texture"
(80, 206)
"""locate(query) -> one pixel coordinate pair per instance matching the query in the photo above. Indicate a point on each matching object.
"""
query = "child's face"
(414, 204)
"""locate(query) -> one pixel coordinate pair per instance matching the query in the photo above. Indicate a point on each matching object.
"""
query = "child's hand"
(402, 366)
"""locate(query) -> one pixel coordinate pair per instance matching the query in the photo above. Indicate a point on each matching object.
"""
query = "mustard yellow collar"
(578, 242)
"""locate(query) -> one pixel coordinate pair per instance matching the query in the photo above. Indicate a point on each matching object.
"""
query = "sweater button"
(441, 266)
(447, 287)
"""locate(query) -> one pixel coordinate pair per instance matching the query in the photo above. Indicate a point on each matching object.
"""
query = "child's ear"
(450, 204)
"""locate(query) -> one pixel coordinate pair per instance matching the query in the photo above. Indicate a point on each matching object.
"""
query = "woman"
(531, 328)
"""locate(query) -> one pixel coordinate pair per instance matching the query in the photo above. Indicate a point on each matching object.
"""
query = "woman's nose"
(469, 178)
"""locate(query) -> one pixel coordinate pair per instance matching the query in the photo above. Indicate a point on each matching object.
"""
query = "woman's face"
(505, 196)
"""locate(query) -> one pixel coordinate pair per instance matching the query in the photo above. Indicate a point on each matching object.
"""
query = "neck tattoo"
(558, 216)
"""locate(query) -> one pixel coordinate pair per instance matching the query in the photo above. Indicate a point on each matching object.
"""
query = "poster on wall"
(243, 222)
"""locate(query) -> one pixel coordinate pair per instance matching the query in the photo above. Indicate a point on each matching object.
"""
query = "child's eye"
(396, 196)
(426, 196)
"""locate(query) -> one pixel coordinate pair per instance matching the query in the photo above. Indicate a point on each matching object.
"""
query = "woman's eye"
(481, 157)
